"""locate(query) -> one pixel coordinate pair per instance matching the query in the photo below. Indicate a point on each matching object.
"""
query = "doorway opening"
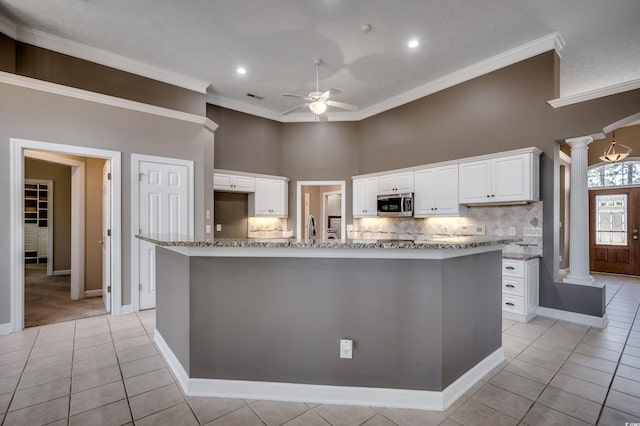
(321, 207)
(23, 152)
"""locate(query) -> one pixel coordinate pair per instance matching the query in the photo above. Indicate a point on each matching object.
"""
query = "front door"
(614, 221)
(164, 212)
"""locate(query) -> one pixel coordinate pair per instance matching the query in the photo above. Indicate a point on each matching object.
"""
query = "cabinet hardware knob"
(493, 195)
(510, 285)
(488, 195)
(435, 208)
(511, 268)
(509, 304)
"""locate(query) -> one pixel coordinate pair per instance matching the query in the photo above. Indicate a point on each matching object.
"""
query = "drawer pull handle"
(511, 268)
(509, 304)
(510, 286)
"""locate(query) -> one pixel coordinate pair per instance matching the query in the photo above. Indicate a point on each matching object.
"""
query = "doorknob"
(635, 234)
(101, 242)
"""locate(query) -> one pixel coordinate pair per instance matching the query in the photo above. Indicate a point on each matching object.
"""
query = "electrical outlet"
(512, 231)
(207, 229)
(346, 348)
(444, 229)
(208, 214)
(218, 227)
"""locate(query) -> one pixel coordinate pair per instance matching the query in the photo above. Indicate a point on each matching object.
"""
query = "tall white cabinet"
(269, 198)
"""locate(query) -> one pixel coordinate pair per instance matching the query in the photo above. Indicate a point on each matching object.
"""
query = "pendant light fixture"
(610, 154)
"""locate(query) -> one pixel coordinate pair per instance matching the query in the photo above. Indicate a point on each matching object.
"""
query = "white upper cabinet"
(436, 192)
(334, 205)
(365, 197)
(501, 179)
(231, 182)
(396, 183)
(270, 198)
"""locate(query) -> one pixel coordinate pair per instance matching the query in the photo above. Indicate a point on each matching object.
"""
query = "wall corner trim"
(5, 328)
(85, 95)
(328, 394)
(210, 124)
(614, 89)
(8, 27)
(590, 320)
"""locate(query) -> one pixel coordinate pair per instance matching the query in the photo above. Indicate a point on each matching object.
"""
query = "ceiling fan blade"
(323, 117)
(342, 105)
(332, 91)
(289, 111)
(293, 95)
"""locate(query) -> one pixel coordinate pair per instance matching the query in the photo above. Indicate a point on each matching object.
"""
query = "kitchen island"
(263, 319)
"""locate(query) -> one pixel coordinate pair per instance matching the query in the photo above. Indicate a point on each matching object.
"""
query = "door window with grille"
(611, 220)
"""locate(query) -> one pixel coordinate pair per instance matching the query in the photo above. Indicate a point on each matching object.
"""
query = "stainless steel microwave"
(395, 205)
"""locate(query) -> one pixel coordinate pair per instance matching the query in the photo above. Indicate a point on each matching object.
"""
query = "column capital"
(579, 142)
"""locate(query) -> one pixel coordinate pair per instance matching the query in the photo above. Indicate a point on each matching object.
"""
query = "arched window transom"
(614, 174)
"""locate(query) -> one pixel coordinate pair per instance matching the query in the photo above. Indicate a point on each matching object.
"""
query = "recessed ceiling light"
(241, 70)
(413, 43)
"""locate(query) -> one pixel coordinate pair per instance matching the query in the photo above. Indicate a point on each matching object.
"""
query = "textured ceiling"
(277, 40)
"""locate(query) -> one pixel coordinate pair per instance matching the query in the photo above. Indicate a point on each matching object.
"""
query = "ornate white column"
(579, 213)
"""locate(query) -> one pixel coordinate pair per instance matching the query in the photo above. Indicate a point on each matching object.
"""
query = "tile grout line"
(15, 390)
(613, 377)
(126, 394)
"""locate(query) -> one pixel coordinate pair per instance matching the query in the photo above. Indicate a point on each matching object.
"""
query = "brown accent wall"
(230, 210)
(61, 177)
(245, 142)
(47, 65)
(7, 54)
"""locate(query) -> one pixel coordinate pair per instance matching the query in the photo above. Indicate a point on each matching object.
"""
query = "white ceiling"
(202, 42)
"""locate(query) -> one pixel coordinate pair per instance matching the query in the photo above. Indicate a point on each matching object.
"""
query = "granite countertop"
(436, 242)
(519, 256)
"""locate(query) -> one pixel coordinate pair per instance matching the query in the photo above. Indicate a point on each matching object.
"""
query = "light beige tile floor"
(106, 371)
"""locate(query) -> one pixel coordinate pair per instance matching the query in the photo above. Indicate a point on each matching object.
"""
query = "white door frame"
(299, 202)
(78, 173)
(50, 207)
(17, 153)
(136, 159)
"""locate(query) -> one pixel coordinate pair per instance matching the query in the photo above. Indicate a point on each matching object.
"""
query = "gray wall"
(61, 177)
(231, 211)
(245, 142)
(34, 115)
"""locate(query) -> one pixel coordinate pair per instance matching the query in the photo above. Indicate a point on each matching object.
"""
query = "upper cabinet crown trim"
(532, 150)
(249, 174)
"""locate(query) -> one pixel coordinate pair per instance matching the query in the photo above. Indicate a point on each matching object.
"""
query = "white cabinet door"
(446, 191)
(270, 198)
(396, 183)
(229, 182)
(475, 182)
(425, 182)
(436, 192)
(365, 193)
(334, 205)
(511, 178)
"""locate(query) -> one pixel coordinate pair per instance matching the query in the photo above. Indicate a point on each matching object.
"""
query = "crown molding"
(92, 54)
(8, 27)
(625, 86)
(85, 95)
(553, 41)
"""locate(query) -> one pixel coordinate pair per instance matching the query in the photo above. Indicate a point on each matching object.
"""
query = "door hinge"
(140, 176)
(108, 289)
(140, 286)
(109, 176)
(108, 232)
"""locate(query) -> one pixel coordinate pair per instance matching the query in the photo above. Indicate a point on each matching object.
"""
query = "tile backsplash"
(521, 221)
(267, 227)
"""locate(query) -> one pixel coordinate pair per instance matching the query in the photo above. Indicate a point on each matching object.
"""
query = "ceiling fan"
(319, 101)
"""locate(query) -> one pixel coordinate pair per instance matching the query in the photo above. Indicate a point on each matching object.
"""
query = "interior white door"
(163, 209)
(106, 235)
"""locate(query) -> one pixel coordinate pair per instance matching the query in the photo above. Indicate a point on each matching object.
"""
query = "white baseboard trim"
(126, 309)
(326, 394)
(5, 328)
(519, 317)
(93, 293)
(593, 321)
(174, 364)
(62, 272)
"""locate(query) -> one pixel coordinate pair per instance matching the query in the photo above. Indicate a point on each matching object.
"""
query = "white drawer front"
(513, 268)
(514, 286)
(513, 304)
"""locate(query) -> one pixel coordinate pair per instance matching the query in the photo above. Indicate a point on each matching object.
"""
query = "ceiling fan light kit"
(318, 101)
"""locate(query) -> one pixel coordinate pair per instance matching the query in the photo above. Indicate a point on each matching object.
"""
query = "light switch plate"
(218, 227)
(346, 348)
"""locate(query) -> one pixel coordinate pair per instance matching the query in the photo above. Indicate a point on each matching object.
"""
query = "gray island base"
(266, 322)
